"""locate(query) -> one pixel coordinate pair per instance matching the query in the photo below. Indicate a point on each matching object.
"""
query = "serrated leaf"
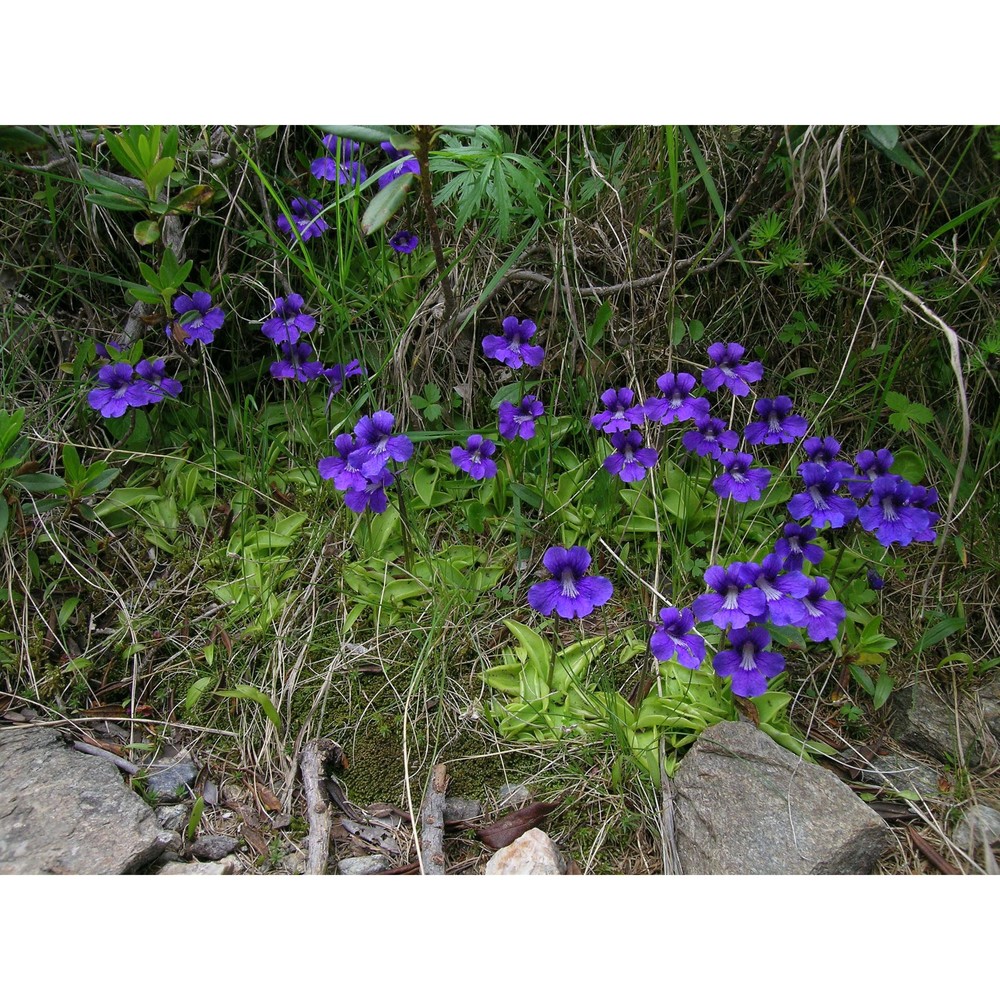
(899, 421)
(384, 205)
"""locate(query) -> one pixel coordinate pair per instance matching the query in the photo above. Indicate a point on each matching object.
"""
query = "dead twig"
(316, 757)
(432, 857)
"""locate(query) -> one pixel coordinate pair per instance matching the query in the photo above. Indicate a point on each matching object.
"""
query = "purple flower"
(101, 350)
(747, 663)
(820, 502)
(342, 468)
(820, 618)
(119, 390)
(619, 413)
(889, 513)
(406, 163)
(778, 426)
(404, 241)
(474, 458)
(339, 374)
(570, 594)
(375, 435)
(197, 318)
(512, 347)
(519, 421)
(926, 499)
(158, 384)
(289, 321)
(296, 364)
(824, 451)
(739, 481)
(305, 219)
(780, 589)
(630, 460)
(710, 437)
(794, 545)
(677, 403)
(733, 601)
(372, 495)
(871, 465)
(874, 580)
(676, 637)
(347, 170)
(727, 371)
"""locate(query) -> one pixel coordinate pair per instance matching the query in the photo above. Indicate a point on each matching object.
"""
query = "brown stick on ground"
(432, 857)
(313, 761)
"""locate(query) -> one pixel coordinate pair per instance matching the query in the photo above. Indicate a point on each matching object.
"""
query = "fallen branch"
(432, 857)
(945, 867)
(316, 757)
(122, 765)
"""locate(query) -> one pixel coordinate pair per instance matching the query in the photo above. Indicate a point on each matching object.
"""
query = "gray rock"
(979, 824)
(168, 780)
(213, 847)
(533, 853)
(226, 867)
(174, 817)
(458, 810)
(370, 864)
(924, 721)
(746, 806)
(987, 702)
(513, 796)
(69, 813)
(897, 772)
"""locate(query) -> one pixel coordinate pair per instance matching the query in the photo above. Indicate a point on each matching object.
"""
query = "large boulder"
(746, 806)
(67, 813)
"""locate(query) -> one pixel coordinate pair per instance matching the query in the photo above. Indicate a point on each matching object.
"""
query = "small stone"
(924, 721)
(461, 810)
(513, 796)
(174, 817)
(213, 847)
(533, 853)
(226, 867)
(979, 823)
(169, 781)
(896, 772)
(370, 864)
(281, 821)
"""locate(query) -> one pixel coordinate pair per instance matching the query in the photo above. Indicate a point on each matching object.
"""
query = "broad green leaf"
(15, 139)
(147, 232)
(117, 203)
(601, 320)
(886, 137)
(191, 198)
(158, 174)
(538, 649)
(863, 679)
(385, 204)
(40, 482)
(883, 688)
(371, 133)
(72, 465)
(527, 494)
(195, 692)
(10, 427)
(252, 694)
(424, 480)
